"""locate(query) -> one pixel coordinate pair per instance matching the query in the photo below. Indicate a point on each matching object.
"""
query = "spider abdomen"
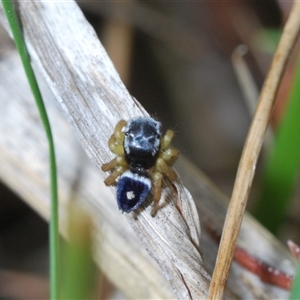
(132, 191)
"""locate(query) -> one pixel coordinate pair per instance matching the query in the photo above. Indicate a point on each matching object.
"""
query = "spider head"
(142, 142)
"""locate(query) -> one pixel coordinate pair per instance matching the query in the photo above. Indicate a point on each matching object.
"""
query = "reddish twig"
(264, 271)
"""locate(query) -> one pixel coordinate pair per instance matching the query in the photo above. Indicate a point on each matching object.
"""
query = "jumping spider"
(143, 159)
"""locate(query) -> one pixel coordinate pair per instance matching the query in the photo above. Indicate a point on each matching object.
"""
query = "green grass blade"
(54, 236)
(295, 293)
(282, 165)
(79, 272)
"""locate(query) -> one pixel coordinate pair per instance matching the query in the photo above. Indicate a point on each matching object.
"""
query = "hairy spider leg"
(120, 125)
(111, 179)
(166, 139)
(170, 156)
(115, 144)
(157, 178)
(161, 168)
(116, 140)
(117, 161)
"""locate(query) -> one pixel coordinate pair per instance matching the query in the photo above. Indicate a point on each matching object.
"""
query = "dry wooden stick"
(250, 154)
(245, 78)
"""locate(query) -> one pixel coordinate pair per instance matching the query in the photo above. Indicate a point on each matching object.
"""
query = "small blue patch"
(132, 191)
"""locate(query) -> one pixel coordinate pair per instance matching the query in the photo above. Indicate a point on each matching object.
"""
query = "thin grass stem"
(53, 229)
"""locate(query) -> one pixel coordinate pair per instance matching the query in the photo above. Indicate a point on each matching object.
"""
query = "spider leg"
(115, 143)
(120, 165)
(167, 139)
(162, 167)
(157, 178)
(117, 161)
(120, 125)
(116, 140)
(111, 179)
(170, 156)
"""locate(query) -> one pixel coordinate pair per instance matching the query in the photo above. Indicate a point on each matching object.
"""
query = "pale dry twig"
(250, 154)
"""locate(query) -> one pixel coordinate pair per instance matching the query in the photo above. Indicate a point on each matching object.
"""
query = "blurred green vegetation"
(281, 169)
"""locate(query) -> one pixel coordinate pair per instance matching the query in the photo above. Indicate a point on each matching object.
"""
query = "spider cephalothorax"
(143, 158)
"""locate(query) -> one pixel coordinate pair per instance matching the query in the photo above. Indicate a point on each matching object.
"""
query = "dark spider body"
(141, 147)
(142, 143)
(142, 159)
